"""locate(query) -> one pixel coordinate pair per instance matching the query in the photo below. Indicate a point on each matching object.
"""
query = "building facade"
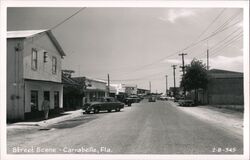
(120, 88)
(141, 91)
(33, 73)
(224, 88)
(72, 91)
(94, 89)
(130, 89)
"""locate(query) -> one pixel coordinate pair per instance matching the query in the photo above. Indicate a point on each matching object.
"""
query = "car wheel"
(96, 111)
(88, 112)
(109, 110)
(117, 109)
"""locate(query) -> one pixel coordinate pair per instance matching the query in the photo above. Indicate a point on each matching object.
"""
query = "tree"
(195, 77)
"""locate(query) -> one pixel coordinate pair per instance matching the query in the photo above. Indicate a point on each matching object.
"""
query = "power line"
(65, 20)
(202, 33)
(236, 30)
(239, 34)
(228, 21)
(214, 20)
(220, 43)
(217, 31)
(228, 44)
(135, 79)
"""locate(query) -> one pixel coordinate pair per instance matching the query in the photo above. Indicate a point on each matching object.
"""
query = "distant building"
(112, 91)
(33, 73)
(142, 91)
(73, 91)
(94, 89)
(130, 89)
(177, 91)
(224, 88)
(120, 88)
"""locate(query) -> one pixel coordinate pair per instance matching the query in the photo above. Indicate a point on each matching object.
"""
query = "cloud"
(173, 14)
(173, 61)
(227, 63)
(177, 61)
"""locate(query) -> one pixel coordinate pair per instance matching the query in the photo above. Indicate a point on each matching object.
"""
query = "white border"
(144, 4)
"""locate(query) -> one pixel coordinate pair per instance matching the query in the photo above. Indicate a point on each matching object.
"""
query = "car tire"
(87, 112)
(96, 111)
(117, 109)
(109, 110)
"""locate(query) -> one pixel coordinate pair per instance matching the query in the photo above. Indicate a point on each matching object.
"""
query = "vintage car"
(132, 99)
(103, 104)
(151, 99)
(164, 98)
(186, 102)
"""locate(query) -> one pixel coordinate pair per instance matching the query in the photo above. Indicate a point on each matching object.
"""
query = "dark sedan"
(103, 104)
(132, 99)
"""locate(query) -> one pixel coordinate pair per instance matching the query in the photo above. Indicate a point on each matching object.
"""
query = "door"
(46, 95)
(56, 99)
(34, 101)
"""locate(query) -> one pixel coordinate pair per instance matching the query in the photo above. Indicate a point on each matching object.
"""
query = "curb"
(72, 114)
(60, 119)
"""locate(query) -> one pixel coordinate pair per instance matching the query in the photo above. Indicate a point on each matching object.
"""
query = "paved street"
(145, 128)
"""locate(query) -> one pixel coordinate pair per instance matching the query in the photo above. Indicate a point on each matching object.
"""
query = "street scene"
(145, 128)
(125, 81)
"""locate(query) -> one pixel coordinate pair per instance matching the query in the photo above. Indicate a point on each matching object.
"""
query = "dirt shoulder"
(226, 118)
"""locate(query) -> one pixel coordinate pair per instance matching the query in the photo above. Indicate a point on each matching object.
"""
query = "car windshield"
(106, 99)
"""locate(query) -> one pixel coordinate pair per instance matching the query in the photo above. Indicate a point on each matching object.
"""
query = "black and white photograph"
(125, 81)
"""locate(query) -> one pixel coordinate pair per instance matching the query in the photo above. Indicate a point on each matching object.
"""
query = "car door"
(114, 103)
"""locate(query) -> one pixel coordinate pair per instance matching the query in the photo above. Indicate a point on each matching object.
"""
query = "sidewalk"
(68, 115)
(228, 119)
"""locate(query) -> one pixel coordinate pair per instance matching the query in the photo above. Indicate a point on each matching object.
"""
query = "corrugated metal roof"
(23, 34)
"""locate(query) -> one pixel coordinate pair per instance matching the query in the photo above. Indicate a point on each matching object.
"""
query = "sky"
(138, 45)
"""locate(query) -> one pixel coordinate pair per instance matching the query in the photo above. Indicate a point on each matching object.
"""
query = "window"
(34, 101)
(45, 57)
(54, 65)
(56, 99)
(34, 59)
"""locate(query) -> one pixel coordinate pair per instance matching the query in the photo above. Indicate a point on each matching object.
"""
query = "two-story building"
(33, 73)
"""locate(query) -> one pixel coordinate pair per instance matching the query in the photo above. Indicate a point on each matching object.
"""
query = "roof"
(69, 81)
(218, 73)
(32, 33)
(131, 85)
(24, 33)
(89, 79)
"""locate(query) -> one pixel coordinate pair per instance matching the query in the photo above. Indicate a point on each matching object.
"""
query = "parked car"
(103, 104)
(163, 98)
(151, 99)
(132, 99)
(186, 102)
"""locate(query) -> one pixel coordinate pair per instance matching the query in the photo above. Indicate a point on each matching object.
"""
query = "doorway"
(46, 95)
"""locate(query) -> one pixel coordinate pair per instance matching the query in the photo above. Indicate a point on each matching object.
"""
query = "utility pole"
(174, 67)
(79, 71)
(183, 63)
(207, 70)
(149, 86)
(108, 85)
(207, 59)
(166, 85)
(183, 71)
